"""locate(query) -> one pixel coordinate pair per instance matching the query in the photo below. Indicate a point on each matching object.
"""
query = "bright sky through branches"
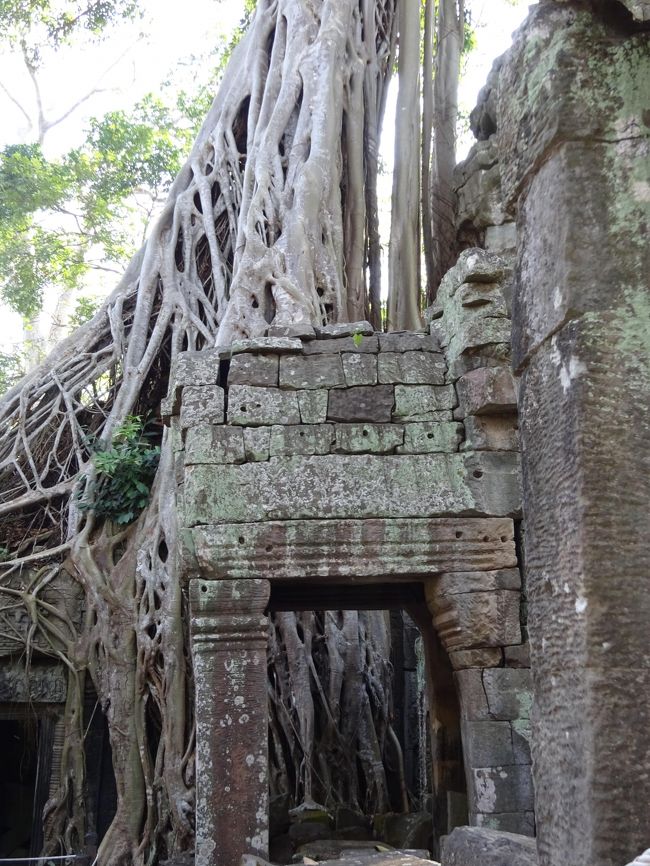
(138, 56)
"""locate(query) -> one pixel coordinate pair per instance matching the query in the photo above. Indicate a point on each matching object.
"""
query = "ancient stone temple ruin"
(354, 469)
(487, 475)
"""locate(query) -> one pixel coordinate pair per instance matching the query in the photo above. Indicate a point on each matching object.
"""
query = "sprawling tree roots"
(272, 221)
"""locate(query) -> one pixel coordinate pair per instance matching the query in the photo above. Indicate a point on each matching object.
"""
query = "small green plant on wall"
(124, 473)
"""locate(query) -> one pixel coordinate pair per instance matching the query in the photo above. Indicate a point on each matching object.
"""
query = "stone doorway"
(343, 462)
(444, 794)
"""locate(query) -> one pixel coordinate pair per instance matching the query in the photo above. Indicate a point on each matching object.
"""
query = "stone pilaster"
(575, 138)
(229, 635)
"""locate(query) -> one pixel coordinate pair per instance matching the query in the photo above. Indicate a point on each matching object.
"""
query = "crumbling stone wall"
(350, 455)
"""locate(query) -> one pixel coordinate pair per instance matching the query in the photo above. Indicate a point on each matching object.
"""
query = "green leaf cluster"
(124, 473)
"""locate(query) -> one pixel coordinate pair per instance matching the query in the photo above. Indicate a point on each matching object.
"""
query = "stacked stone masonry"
(368, 457)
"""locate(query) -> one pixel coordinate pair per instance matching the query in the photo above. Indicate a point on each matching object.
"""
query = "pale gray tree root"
(271, 221)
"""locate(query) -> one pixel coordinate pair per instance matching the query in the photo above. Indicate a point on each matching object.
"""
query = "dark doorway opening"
(422, 757)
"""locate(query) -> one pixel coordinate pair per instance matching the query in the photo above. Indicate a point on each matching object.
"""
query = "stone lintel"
(229, 635)
(341, 486)
(365, 550)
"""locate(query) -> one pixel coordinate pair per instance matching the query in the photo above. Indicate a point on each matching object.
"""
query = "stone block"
(266, 345)
(249, 406)
(475, 619)
(361, 548)
(428, 437)
(481, 846)
(487, 391)
(416, 402)
(342, 486)
(471, 694)
(45, 683)
(302, 439)
(311, 372)
(344, 329)
(359, 369)
(482, 581)
(484, 355)
(408, 341)
(256, 443)
(487, 744)
(261, 370)
(214, 444)
(368, 438)
(476, 658)
(517, 656)
(363, 345)
(502, 789)
(522, 823)
(412, 368)
(480, 200)
(362, 403)
(491, 433)
(312, 406)
(196, 368)
(202, 404)
(509, 693)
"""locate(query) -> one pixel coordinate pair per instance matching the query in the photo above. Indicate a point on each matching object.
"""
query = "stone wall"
(351, 455)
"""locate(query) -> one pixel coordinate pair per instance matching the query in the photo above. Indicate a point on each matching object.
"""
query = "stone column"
(575, 136)
(229, 636)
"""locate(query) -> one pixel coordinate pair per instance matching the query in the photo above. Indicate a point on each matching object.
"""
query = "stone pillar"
(575, 136)
(229, 636)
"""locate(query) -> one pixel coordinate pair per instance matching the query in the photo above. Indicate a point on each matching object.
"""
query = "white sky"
(138, 57)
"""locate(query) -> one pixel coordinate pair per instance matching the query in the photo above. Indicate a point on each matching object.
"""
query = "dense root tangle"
(272, 221)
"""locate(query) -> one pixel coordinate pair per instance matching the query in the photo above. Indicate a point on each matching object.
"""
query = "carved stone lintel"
(229, 635)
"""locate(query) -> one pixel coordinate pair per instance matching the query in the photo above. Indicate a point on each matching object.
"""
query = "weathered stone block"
(415, 402)
(344, 329)
(509, 693)
(476, 658)
(214, 444)
(361, 344)
(487, 391)
(521, 823)
(480, 846)
(196, 368)
(250, 406)
(368, 438)
(413, 368)
(302, 330)
(503, 789)
(256, 443)
(482, 581)
(303, 439)
(366, 548)
(45, 683)
(487, 744)
(272, 345)
(312, 406)
(361, 403)
(480, 200)
(261, 370)
(517, 656)
(202, 404)
(311, 372)
(472, 697)
(359, 369)
(408, 341)
(428, 437)
(491, 433)
(341, 486)
(476, 619)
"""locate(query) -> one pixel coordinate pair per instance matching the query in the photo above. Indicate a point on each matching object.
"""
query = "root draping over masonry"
(272, 221)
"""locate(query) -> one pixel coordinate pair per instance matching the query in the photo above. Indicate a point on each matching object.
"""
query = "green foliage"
(11, 370)
(32, 24)
(357, 338)
(125, 470)
(85, 309)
